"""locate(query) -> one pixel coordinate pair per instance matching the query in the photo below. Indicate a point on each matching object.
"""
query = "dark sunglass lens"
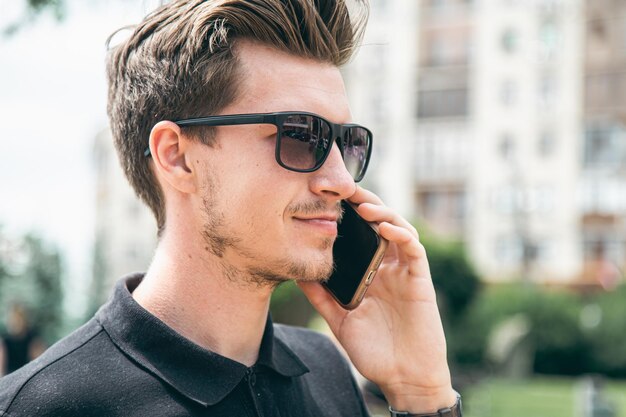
(304, 142)
(356, 146)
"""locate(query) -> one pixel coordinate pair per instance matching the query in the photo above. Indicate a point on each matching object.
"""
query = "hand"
(395, 337)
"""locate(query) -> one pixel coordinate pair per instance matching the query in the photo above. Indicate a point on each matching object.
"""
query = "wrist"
(454, 410)
(423, 401)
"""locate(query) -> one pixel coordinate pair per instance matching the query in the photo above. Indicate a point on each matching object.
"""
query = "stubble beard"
(258, 272)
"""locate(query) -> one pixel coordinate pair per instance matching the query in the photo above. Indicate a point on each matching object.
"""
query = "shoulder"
(63, 374)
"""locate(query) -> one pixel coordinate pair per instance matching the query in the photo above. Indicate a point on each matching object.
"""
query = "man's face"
(257, 217)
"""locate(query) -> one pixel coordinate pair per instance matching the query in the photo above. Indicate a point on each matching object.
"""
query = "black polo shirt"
(126, 362)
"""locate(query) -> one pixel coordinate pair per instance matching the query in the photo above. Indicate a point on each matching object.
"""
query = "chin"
(303, 265)
(314, 269)
(302, 260)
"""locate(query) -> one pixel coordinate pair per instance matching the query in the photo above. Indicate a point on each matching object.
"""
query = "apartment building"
(495, 132)
(603, 166)
(526, 113)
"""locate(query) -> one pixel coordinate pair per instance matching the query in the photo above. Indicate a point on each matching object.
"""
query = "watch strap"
(455, 411)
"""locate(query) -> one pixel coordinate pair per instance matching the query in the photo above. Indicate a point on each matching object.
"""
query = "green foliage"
(553, 316)
(38, 6)
(468, 341)
(608, 338)
(290, 306)
(536, 397)
(454, 278)
(556, 334)
(562, 344)
(30, 275)
(35, 8)
(457, 285)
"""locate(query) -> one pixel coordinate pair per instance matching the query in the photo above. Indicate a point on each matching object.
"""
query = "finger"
(391, 253)
(324, 303)
(366, 198)
(378, 214)
(361, 195)
(410, 249)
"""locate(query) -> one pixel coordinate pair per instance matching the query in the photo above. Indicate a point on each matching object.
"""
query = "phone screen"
(356, 246)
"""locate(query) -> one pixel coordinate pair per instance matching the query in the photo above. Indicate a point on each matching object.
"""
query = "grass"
(536, 397)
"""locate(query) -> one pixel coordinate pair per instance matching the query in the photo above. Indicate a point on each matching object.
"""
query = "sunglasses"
(303, 140)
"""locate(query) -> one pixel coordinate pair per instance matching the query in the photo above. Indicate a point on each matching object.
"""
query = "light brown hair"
(180, 63)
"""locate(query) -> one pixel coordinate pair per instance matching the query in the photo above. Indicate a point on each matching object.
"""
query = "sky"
(52, 104)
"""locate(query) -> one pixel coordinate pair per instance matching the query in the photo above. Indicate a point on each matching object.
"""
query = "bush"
(457, 285)
(455, 280)
(554, 334)
(607, 337)
(31, 276)
(289, 305)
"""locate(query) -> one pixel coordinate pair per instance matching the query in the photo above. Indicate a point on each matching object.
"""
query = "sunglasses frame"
(337, 132)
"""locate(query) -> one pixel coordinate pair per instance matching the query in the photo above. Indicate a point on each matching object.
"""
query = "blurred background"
(500, 132)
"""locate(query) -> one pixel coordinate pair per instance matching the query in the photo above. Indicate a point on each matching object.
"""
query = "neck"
(191, 291)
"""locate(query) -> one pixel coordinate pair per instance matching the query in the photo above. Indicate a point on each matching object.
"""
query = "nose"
(333, 180)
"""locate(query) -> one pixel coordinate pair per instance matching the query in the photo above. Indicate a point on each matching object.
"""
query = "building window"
(605, 146)
(437, 4)
(549, 40)
(442, 103)
(437, 51)
(458, 205)
(546, 144)
(603, 244)
(443, 207)
(504, 199)
(446, 48)
(432, 204)
(446, 204)
(544, 197)
(547, 90)
(509, 41)
(506, 147)
(508, 250)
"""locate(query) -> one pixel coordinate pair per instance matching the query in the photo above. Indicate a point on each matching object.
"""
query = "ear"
(169, 150)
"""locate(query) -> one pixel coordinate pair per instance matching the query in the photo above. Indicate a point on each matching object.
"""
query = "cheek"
(265, 210)
(255, 190)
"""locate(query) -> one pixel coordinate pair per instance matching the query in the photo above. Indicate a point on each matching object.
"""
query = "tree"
(35, 8)
(454, 278)
(31, 275)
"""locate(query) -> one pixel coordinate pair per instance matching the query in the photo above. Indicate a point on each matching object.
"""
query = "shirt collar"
(201, 375)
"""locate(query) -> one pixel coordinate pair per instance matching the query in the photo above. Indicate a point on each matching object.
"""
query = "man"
(242, 206)
(20, 343)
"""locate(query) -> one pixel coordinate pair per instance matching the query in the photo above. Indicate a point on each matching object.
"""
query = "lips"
(321, 223)
(325, 217)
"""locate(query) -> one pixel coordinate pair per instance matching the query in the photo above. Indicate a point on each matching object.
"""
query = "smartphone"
(357, 253)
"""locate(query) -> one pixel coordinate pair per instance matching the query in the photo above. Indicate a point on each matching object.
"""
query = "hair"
(180, 62)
